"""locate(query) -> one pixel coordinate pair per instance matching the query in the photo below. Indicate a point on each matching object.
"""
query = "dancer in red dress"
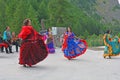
(33, 49)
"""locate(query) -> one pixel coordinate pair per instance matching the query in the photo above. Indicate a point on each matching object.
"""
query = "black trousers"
(2, 49)
(9, 46)
(16, 45)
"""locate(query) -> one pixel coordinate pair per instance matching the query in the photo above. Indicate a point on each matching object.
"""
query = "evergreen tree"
(2, 15)
(32, 14)
(59, 13)
(20, 14)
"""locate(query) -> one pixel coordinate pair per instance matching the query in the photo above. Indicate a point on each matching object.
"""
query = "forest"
(79, 14)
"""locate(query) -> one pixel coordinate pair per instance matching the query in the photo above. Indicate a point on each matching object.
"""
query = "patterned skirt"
(75, 48)
(50, 47)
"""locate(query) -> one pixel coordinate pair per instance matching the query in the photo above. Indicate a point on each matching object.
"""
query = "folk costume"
(50, 43)
(112, 46)
(73, 47)
(33, 49)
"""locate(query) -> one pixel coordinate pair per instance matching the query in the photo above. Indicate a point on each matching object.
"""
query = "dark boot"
(10, 49)
(16, 47)
(6, 50)
(2, 49)
(24, 65)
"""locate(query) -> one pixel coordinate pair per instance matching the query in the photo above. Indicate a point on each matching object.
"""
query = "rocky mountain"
(109, 10)
(106, 10)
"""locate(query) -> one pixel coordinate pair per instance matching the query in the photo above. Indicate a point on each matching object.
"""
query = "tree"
(32, 14)
(20, 14)
(2, 15)
(58, 12)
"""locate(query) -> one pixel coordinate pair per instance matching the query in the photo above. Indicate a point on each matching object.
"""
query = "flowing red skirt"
(32, 52)
(3, 45)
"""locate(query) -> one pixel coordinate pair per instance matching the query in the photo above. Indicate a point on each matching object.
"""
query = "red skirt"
(32, 52)
(3, 45)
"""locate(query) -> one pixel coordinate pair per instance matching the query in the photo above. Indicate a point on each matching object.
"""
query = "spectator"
(7, 39)
(15, 40)
(1, 41)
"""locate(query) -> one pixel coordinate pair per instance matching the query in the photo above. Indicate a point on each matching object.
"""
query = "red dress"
(33, 49)
(3, 45)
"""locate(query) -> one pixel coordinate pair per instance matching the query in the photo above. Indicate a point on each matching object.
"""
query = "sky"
(119, 1)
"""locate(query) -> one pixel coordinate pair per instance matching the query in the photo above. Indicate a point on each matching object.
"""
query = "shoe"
(30, 65)
(11, 52)
(109, 57)
(2, 51)
(24, 65)
(7, 52)
(104, 56)
(69, 58)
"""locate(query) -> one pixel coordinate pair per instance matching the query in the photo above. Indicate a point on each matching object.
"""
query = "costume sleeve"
(73, 34)
(4, 35)
(24, 32)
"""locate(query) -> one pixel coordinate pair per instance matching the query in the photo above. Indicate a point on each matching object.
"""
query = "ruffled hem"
(82, 52)
(32, 52)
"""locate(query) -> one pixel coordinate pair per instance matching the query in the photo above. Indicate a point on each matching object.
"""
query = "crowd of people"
(7, 40)
(35, 47)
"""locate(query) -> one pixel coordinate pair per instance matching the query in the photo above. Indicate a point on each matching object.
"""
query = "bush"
(94, 40)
